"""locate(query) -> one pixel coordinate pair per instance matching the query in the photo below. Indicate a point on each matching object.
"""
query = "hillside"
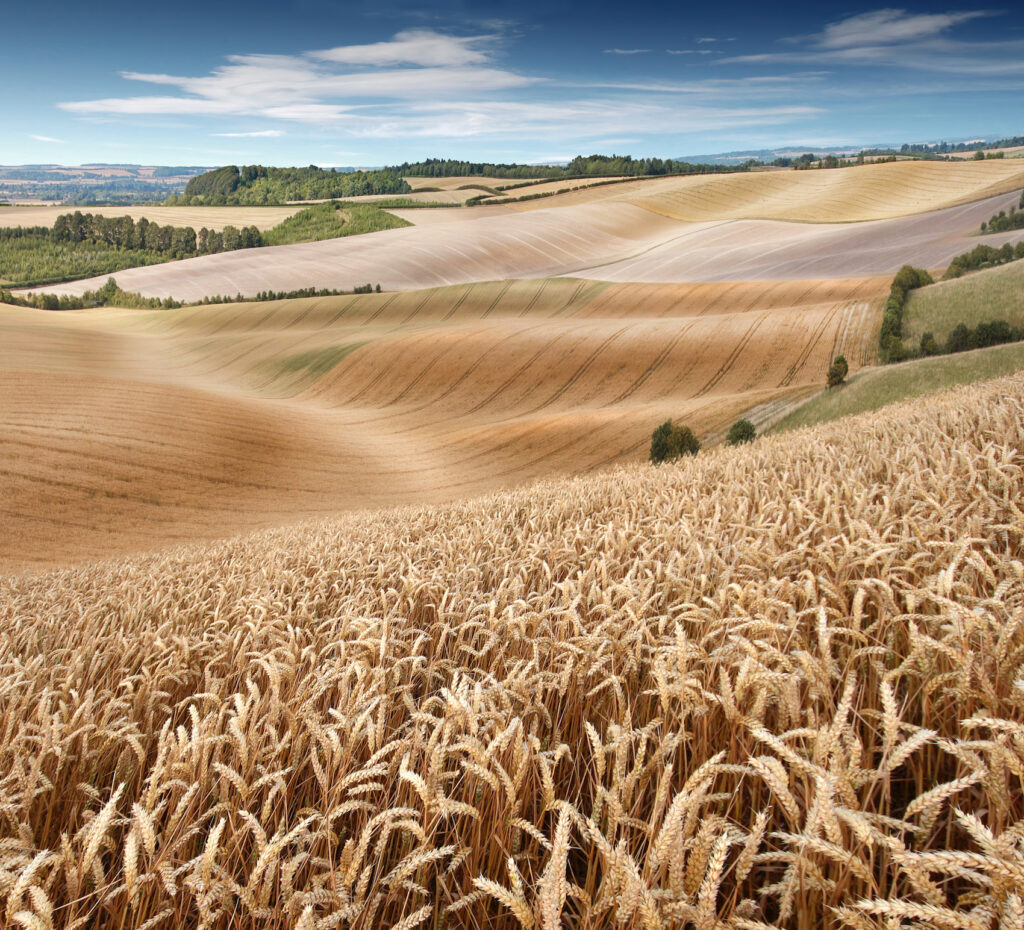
(613, 241)
(991, 294)
(131, 431)
(770, 684)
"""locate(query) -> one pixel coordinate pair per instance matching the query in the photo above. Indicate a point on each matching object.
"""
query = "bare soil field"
(610, 241)
(773, 686)
(131, 431)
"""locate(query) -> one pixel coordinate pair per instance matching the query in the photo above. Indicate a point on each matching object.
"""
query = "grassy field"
(132, 430)
(773, 686)
(888, 384)
(331, 220)
(992, 294)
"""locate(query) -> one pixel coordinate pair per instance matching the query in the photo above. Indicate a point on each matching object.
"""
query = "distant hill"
(93, 184)
(918, 149)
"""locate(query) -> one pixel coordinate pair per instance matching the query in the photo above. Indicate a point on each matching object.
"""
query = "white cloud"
(426, 84)
(896, 38)
(626, 51)
(705, 40)
(691, 51)
(882, 27)
(49, 139)
(320, 85)
(258, 134)
(423, 47)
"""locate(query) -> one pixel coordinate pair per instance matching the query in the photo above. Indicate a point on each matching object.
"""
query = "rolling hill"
(131, 431)
(827, 223)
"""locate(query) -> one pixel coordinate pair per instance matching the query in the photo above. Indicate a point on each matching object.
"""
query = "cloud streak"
(257, 134)
(48, 139)
(895, 38)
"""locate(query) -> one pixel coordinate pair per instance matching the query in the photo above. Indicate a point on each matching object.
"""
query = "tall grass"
(993, 294)
(779, 685)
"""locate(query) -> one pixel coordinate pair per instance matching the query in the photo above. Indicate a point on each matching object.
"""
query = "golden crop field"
(773, 686)
(129, 431)
(856, 194)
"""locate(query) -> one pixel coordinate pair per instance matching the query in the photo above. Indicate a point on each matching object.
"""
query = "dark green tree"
(838, 371)
(740, 432)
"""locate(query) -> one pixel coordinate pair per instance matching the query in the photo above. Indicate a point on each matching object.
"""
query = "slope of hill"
(991, 294)
(770, 684)
(601, 240)
(132, 431)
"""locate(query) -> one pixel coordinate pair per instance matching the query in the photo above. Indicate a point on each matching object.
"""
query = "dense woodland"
(82, 245)
(256, 185)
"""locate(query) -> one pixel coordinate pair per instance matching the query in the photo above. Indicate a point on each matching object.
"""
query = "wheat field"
(131, 431)
(854, 194)
(774, 686)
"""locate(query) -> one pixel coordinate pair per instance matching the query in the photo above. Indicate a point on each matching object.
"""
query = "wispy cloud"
(882, 27)
(626, 51)
(258, 134)
(705, 40)
(692, 51)
(49, 139)
(321, 85)
(895, 38)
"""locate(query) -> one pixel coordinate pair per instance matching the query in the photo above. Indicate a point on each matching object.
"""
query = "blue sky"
(312, 81)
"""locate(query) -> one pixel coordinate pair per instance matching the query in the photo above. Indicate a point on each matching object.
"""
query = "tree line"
(1005, 222)
(581, 166)
(82, 245)
(122, 232)
(256, 185)
(111, 295)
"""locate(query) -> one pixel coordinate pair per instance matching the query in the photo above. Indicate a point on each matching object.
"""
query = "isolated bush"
(740, 432)
(928, 345)
(838, 371)
(670, 442)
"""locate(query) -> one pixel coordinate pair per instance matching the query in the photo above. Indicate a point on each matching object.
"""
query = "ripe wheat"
(778, 685)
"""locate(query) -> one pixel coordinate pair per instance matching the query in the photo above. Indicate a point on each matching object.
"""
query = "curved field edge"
(875, 388)
(794, 658)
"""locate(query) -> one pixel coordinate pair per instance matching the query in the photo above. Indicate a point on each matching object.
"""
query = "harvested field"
(608, 241)
(125, 431)
(493, 248)
(772, 686)
(211, 217)
(767, 249)
(857, 194)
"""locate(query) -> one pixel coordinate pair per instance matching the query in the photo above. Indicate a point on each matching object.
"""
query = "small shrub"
(740, 432)
(838, 371)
